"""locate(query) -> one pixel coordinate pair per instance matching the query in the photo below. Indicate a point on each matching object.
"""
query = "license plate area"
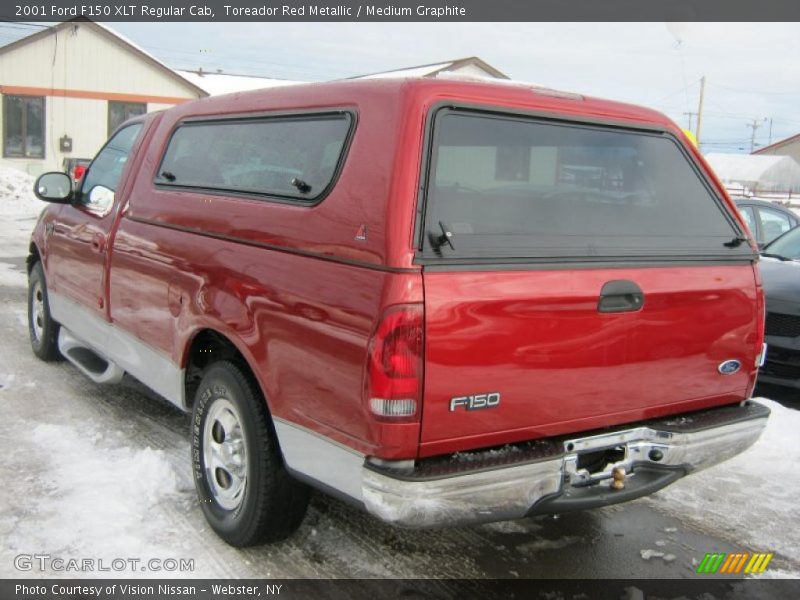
(592, 459)
(593, 465)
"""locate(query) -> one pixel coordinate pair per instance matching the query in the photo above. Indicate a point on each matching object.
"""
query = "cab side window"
(106, 169)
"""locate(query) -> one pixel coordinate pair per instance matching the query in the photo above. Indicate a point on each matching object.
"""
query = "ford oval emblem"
(729, 367)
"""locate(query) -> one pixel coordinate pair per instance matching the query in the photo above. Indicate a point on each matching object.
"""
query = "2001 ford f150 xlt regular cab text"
(443, 301)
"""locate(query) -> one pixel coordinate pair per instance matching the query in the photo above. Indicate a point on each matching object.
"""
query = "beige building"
(65, 88)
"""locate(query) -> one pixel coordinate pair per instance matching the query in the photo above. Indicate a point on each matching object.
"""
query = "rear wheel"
(42, 328)
(245, 492)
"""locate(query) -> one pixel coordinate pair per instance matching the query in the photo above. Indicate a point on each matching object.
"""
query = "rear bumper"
(549, 476)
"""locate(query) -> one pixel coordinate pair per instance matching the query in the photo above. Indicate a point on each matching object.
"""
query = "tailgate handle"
(620, 295)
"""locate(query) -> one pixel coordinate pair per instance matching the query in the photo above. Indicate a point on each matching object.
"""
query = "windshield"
(505, 186)
(786, 246)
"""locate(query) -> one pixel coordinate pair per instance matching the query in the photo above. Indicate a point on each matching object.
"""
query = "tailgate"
(538, 340)
(576, 276)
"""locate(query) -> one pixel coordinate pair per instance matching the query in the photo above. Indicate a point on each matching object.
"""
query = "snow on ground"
(19, 209)
(99, 493)
(753, 496)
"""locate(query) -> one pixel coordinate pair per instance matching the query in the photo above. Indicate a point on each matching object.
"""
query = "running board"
(95, 366)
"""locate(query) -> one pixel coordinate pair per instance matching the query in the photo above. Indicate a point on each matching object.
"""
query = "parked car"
(780, 272)
(766, 220)
(76, 167)
(443, 301)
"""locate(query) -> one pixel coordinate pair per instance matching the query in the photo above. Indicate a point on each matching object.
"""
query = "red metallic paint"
(537, 338)
(299, 295)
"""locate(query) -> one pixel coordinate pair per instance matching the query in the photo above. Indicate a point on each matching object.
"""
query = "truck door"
(79, 239)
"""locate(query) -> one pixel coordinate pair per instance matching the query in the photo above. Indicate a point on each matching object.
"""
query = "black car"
(766, 220)
(780, 271)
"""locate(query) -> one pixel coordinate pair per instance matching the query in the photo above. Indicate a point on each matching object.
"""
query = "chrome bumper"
(652, 455)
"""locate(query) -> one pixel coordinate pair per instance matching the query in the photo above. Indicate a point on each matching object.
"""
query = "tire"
(43, 330)
(245, 492)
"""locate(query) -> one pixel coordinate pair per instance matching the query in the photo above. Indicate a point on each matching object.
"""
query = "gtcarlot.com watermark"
(48, 562)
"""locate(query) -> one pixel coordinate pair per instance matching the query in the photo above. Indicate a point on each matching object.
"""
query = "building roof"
(216, 83)
(227, 83)
(112, 36)
(779, 143)
(437, 69)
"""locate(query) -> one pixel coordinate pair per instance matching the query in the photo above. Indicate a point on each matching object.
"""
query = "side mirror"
(54, 187)
(100, 199)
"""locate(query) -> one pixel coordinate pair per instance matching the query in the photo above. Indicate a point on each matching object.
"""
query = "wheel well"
(207, 347)
(33, 257)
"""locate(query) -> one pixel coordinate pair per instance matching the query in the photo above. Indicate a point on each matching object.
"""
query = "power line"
(10, 23)
(675, 93)
(753, 91)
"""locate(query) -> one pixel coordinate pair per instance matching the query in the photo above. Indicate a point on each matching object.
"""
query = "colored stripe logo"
(735, 563)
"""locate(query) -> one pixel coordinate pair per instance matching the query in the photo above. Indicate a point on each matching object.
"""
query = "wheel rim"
(224, 453)
(37, 311)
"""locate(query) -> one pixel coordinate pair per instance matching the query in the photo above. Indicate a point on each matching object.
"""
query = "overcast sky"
(752, 69)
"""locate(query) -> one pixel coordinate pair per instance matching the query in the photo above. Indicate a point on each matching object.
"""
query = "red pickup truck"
(443, 301)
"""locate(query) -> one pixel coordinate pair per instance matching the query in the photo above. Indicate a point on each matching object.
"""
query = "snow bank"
(98, 502)
(16, 193)
(753, 496)
(19, 209)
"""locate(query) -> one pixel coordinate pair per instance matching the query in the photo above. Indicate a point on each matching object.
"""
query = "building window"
(513, 163)
(23, 126)
(119, 112)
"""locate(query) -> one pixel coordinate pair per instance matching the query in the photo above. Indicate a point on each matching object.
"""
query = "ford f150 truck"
(443, 301)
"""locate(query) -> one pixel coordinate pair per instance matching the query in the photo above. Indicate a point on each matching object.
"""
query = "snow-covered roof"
(225, 83)
(764, 171)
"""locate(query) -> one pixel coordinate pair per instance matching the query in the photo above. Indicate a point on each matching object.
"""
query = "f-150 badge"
(476, 402)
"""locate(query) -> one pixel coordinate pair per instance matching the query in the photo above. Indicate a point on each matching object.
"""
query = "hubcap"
(224, 454)
(37, 311)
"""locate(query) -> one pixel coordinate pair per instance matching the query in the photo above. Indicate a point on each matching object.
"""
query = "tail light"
(394, 364)
(78, 171)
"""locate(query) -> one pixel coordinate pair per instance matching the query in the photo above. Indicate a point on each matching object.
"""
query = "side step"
(96, 367)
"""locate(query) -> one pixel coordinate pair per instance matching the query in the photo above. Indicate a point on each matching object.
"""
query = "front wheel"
(245, 492)
(42, 328)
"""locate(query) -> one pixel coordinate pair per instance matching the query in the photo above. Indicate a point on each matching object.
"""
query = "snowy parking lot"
(103, 472)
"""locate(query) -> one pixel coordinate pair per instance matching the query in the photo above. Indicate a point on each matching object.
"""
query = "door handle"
(98, 242)
(620, 295)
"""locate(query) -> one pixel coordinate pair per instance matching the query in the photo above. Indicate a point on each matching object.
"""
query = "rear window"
(507, 187)
(294, 158)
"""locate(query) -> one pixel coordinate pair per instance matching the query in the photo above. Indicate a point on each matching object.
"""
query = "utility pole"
(700, 109)
(769, 143)
(754, 125)
(690, 115)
